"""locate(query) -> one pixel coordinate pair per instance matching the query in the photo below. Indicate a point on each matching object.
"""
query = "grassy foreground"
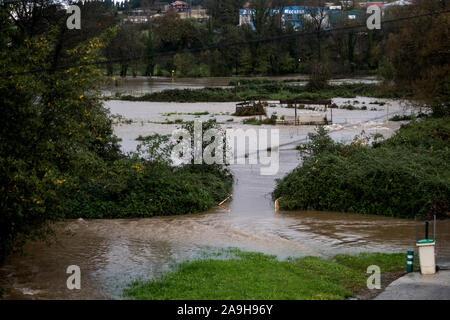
(249, 275)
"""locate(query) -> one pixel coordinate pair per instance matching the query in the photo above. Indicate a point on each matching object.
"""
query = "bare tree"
(317, 18)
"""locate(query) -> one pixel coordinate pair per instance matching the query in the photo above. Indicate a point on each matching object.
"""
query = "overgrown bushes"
(404, 176)
(145, 184)
(60, 159)
(131, 188)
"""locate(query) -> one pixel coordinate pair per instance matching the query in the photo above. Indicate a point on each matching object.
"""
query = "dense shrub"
(404, 176)
(320, 74)
(131, 188)
(145, 184)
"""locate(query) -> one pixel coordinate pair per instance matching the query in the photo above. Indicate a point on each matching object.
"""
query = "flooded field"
(153, 117)
(112, 253)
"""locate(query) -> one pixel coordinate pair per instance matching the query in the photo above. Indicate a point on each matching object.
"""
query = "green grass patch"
(249, 275)
(411, 117)
(387, 262)
(257, 122)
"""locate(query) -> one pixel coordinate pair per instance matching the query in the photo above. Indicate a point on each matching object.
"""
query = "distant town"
(145, 13)
(291, 16)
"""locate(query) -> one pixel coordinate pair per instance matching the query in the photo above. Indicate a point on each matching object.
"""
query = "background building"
(291, 16)
(179, 6)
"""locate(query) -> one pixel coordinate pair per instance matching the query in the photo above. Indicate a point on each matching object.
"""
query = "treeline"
(413, 54)
(348, 51)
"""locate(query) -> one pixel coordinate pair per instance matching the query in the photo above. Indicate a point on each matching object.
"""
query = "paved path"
(415, 286)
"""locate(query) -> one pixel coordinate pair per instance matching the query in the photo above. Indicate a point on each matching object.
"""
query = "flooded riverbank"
(111, 253)
(143, 85)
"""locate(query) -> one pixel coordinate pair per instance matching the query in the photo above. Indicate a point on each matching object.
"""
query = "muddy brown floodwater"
(111, 253)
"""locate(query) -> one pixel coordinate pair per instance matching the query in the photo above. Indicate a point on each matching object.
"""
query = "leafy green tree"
(224, 12)
(245, 61)
(420, 56)
(287, 63)
(126, 46)
(149, 50)
(48, 119)
(173, 33)
(184, 63)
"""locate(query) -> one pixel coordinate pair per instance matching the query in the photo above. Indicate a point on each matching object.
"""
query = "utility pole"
(260, 109)
(331, 110)
(387, 113)
(295, 112)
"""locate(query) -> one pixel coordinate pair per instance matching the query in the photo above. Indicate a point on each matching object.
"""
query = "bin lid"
(425, 241)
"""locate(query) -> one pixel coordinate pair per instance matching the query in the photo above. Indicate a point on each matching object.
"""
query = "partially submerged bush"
(404, 176)
(132, 188)
(320, 74)
(318, 142)
(145, 183)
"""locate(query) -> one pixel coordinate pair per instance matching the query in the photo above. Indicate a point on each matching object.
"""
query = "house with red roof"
(179, 6)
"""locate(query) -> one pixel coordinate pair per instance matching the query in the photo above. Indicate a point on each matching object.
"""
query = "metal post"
(409, 261)
(295, 114)
(260, 108)
(387, 113)
(331, 110)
